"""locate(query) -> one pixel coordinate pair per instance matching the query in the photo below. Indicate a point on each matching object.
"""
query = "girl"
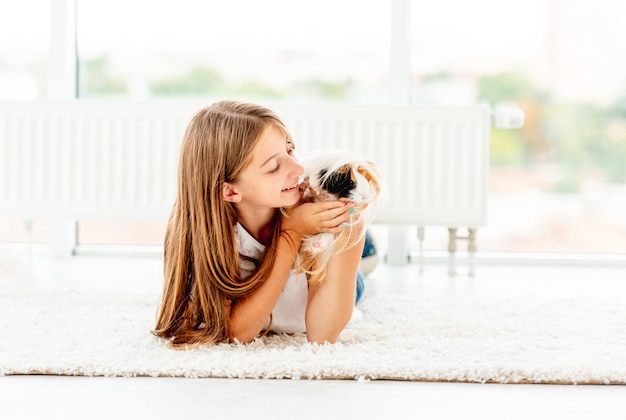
(234, 233)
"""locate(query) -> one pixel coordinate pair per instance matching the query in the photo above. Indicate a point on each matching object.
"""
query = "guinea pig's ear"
(370, 173)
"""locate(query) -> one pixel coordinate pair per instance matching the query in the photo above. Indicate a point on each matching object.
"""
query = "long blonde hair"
(201, 259)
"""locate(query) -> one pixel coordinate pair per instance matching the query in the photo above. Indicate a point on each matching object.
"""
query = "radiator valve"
(508, 116)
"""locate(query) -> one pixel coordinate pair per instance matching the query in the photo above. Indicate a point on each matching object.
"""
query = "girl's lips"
(295, 186)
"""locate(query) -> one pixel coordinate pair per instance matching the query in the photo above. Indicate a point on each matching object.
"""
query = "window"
(557, 184)
(274, 49)
(23, 71)
(24, 49)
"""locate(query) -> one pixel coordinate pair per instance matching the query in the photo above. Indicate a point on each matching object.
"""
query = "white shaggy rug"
(500, 340)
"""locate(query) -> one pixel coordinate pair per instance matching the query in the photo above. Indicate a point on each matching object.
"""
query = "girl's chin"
(291, 202)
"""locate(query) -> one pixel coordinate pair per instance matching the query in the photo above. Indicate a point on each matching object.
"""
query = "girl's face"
(271, 178)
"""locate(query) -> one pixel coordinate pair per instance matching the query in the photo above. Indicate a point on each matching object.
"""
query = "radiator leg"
(452, 251)
(471, 249)
(420, 236)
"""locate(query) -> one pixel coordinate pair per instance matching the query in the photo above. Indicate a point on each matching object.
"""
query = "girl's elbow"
(242, 334)
(323, 337)
(328, 334)
(242, 337)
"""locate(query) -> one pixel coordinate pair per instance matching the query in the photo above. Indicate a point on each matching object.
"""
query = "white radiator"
(88, 159)
(118, 159)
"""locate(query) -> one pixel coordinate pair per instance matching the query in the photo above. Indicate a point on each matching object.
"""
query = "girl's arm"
(331, 302)
(249, 315)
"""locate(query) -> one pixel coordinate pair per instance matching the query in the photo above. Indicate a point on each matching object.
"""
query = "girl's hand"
(318, 217)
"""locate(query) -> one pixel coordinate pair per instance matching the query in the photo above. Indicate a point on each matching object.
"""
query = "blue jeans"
(360, 286)
(368, 250)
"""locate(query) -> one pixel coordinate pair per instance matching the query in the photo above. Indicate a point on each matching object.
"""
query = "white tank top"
(289, 311)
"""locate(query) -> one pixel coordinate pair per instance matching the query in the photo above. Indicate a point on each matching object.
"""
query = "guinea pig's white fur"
(361, 184)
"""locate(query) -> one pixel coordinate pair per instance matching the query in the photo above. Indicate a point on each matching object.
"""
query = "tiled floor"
(49, 397)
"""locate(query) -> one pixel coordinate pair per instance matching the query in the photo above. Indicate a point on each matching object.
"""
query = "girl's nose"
(296, 169)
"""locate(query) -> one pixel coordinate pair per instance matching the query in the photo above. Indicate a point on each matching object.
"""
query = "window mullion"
(400, 72)
(62, 74)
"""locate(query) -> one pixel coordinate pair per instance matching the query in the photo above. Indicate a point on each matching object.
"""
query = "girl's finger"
(335, 207)
(335, 229)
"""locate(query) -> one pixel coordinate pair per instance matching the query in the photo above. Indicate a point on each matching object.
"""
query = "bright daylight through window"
(23, 72)
(556, 185)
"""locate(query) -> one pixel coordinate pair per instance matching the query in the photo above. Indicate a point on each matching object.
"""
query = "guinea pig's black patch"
(339, 182)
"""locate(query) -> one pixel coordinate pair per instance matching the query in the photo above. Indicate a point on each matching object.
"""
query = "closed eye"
(275, 169)
(290, 149)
